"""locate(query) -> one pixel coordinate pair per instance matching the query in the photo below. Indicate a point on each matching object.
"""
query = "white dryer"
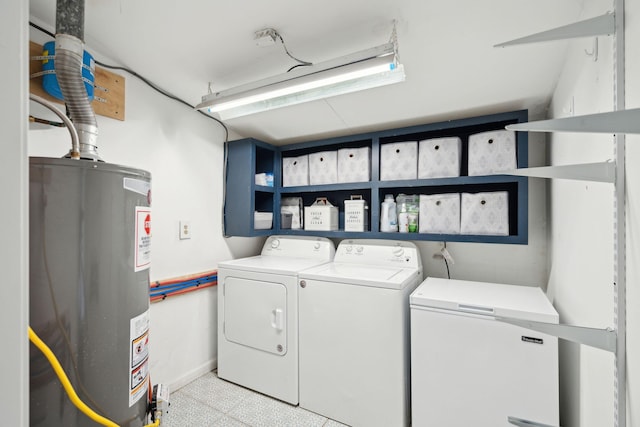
(354, 333)
(258, 314)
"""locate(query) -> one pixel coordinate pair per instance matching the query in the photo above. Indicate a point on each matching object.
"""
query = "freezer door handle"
(520, 422)
(277, 322)
(475, 309)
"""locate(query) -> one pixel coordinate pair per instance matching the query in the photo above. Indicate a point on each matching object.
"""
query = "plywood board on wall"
(108, 92)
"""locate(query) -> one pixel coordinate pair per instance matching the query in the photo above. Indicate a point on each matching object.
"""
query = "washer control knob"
(359, 249)
(303, 283)
(348, 249)
(398, 252)
(275, 243)
(316, 246)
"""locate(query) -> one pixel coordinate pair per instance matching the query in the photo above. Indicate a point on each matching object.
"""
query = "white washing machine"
(354, 333)
(468, 369)
(258, 314)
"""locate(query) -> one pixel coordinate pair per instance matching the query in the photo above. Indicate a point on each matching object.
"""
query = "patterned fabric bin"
(354, 164)
(492, 152)
(440, 213)
(323, 168)
(399, 160)
(485, 213)
(439, 158)
(295, 171)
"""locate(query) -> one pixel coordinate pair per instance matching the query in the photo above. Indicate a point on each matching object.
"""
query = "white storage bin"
(399, 160)
(492, 152)
(354, 164)
(440, 213)
(485, 213)
(262, 220)
(439, 157)
(321, 216)
(323, 168)
(295, 171)
(356, 214)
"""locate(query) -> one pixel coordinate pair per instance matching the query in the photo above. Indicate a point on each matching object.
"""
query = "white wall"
(184, 153)
(14, 304)
(581, 230)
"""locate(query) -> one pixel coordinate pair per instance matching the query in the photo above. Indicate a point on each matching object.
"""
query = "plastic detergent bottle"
(408, 209)
(388, 217)
(403, 214)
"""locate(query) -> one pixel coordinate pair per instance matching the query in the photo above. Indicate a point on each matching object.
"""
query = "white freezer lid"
(363, 275)
(271, 264)
(491, 299)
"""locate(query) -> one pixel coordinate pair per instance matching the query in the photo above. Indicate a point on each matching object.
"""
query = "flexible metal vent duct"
(70, 18)
(68, 66)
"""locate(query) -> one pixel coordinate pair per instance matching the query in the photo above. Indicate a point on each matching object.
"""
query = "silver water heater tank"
(89, 289)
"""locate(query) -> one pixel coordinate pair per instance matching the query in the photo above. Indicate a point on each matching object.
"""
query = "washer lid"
(271, 264)
(489, 299)
(363, 275)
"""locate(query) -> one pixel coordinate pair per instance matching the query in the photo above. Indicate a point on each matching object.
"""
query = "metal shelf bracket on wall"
(604, 339)
(598, 172)
(601, 25)
(614, 122)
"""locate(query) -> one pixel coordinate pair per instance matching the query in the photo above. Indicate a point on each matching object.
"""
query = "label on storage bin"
(138, 357)
(142, 252)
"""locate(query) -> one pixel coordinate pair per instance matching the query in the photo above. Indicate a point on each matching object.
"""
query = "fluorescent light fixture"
(366, 69)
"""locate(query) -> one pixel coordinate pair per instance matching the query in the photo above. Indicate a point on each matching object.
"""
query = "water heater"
(89, 278)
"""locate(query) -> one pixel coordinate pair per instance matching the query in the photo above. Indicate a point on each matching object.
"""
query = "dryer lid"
(272, 264)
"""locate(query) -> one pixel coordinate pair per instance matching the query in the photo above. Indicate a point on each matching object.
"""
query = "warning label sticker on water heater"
(139, 357)
(143, 238)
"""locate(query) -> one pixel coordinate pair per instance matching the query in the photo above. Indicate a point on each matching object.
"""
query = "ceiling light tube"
(362, 70)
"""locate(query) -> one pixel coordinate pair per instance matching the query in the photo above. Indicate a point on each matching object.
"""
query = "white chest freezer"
(468, 369)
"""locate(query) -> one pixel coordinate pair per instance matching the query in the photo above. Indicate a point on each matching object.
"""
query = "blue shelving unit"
(247, 157)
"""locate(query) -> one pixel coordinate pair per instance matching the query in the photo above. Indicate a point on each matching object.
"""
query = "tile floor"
(211, 402)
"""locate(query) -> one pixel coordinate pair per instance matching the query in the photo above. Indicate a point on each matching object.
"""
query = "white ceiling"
(446, 47)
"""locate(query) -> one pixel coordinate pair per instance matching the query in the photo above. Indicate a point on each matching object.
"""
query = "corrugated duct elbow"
(68, 66)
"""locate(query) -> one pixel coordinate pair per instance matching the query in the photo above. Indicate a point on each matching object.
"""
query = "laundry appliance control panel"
(379, 253)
